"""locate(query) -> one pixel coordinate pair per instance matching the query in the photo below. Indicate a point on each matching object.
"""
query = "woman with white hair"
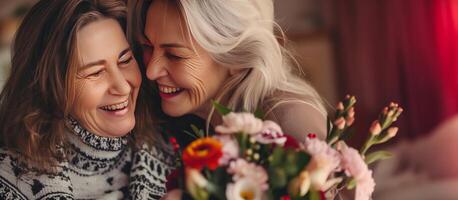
(197, 51)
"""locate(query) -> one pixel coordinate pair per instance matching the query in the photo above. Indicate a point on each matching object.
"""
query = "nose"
(156, 68)
(119, 84)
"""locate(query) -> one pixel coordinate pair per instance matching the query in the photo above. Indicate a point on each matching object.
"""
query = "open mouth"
(116, 107)
(168, 92)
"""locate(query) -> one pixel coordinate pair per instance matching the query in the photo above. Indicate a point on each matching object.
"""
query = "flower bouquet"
(250, 158)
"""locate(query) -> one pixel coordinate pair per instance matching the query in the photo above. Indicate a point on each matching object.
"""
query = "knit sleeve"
(150, 168)
(17, 182)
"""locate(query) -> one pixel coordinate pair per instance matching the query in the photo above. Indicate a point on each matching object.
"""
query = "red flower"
(291, 142)
(204, 152)
(286, 197)
(322, 195)
(175, 145)
(311, 135)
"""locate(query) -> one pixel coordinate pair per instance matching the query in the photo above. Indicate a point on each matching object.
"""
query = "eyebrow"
(124, 52)
(173, 45)
(145, 39)
(95, 63)
(102, 62)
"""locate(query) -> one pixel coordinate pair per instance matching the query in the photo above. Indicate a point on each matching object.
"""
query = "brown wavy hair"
(39, 92)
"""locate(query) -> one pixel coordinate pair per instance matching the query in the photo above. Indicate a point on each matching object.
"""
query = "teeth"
(118, 106)
(168, 90)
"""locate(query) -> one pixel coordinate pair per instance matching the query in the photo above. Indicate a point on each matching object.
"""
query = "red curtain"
(447, 46)
(401, 50)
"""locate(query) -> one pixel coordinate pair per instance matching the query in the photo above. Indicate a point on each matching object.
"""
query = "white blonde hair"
(239, 35)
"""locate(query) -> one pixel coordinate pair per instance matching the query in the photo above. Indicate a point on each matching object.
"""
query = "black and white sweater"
(96, 168)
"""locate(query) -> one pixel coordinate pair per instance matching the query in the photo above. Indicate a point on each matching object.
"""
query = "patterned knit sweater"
(96, 168)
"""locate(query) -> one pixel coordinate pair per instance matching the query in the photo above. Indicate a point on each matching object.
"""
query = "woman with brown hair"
(69, 126)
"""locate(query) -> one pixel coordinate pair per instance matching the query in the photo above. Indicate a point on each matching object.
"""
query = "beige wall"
(315, 54)
(303, 22)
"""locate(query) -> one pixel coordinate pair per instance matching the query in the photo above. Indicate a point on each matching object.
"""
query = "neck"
(204, 112)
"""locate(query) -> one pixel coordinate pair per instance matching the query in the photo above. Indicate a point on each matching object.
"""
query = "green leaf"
(314, 195)
(221, 109)
(191, 134)
(277, 157)
(277, 178)
(259, 114)
(349, 102)
(378, 155)
(302, 159)
(199, 194)
(199, 132)
(290, 165)
(218, 176)
(351, 184)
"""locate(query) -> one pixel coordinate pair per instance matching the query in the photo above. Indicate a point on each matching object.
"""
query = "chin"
(172, 112)
(121, 129)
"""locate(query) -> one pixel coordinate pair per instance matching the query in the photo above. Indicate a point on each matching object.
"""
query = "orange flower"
(204, 152)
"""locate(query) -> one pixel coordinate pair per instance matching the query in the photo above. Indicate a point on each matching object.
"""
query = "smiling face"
(107, 80)
(186, 75)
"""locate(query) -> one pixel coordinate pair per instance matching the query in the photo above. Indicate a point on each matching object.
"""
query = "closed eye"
(126, 61)
(96, 74)
(173, 56)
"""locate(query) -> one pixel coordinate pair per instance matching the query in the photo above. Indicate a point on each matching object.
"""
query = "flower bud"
(256, 156)
(300, 185)
(340, 106)
(392, 131)
(398, 112)
(385, 110)
(375, 128)
(351, 112)
(196, 178)
(350, 120)
(390, 113)
(340, 123)
(195, 182)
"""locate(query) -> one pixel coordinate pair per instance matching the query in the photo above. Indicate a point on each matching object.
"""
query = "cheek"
(88, 97)
(80, 105)
(133, 76)
(193, 78)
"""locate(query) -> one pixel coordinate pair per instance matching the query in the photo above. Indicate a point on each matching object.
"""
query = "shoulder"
(280, 100)
(297, 115)
(18, 182)
(9, 173)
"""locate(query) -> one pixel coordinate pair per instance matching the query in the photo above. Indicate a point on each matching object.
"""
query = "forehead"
(100, 40)
(164, 22)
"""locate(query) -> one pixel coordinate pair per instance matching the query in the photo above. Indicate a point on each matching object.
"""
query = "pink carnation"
(271, 133)
(354, 166)
(325, 160)
(243, 169)
(239, 122)
(230, 149)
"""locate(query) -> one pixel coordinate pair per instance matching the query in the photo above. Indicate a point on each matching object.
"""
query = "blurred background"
(380, 51)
